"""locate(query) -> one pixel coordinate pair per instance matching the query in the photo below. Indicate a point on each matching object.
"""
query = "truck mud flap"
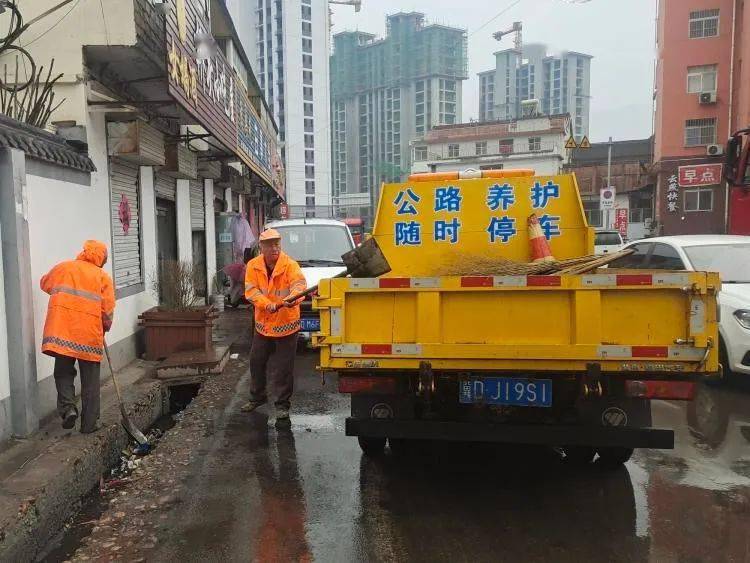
(596, 436)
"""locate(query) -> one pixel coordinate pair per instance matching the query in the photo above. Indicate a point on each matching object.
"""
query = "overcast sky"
(618, 33)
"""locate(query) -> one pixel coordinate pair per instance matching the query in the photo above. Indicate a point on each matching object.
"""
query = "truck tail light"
(674, 390)
(368, 385)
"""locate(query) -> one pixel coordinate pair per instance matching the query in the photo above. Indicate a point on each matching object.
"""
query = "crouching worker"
(269, 279)
(81, 308)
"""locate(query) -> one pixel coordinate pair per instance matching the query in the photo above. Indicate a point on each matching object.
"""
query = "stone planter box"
(167, 332)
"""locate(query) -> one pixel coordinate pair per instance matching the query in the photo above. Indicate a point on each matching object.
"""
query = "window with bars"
(535, 144)
(453, 150)
(481, 148)
(700, 132)
(698, 199)
(701, 79)
(420, 153)
(704, 23)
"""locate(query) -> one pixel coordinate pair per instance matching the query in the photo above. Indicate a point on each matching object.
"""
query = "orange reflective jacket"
(286, 280)
(81, 305)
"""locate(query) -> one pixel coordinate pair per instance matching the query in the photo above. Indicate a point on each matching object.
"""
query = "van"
(607, 242)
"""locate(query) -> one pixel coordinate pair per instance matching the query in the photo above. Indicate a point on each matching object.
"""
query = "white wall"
(184, 229)
(148, 232)
(4, 370)
(210, 233)
(65, 40)
(543, 166)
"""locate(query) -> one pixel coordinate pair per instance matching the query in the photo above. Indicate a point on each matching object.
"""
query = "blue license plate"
(310, 325)
(506, 391)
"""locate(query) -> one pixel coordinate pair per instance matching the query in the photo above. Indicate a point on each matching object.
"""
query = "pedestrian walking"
(81, 309)
(269, 279)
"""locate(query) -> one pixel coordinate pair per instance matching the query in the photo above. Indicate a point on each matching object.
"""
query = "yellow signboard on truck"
(427, 226)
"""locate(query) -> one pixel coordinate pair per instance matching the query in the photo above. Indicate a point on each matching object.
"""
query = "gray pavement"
(254, 493)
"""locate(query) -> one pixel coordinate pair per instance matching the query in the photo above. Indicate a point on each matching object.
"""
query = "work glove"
(272, 308)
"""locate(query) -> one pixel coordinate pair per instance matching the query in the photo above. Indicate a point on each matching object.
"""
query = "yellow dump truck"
(439, 349)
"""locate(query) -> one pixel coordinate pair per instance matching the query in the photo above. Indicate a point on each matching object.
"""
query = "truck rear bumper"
(596, 436)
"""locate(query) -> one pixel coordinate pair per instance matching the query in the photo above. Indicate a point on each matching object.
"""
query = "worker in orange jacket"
(81, 309)
(269, 279)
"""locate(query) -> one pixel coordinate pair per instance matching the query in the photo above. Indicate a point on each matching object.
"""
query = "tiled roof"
(42, 145)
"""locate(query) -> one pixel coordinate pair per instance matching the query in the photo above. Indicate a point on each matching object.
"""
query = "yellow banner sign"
(423, 227)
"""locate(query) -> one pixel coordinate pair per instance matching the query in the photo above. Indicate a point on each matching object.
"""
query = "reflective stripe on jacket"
(287, 279)
(81, 306)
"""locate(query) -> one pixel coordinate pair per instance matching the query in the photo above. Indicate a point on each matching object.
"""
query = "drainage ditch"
(95, 503)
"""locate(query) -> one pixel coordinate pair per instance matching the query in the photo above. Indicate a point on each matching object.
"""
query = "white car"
(727, 254)
(607, 242)
(317, 245)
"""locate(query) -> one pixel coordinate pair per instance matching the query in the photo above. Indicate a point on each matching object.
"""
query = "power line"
(104, 20)
(53, 26)
(488, 22)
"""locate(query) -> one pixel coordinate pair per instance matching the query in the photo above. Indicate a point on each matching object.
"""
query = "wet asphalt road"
(308, 493)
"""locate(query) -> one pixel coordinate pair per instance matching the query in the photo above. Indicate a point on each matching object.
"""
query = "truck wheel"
(579, 455)
(725, 374)
(372, 447)
(614, 457)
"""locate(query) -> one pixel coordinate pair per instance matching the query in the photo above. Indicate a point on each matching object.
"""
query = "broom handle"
(312, 289)
(112, 371)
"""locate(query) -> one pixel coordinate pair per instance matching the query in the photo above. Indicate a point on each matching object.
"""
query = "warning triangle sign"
(585, 143)
(571, 143)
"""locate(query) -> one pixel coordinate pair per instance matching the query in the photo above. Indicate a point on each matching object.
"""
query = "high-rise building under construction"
(384, 94)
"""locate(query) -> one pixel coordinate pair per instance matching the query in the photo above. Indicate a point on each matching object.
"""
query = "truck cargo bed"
(630, 321)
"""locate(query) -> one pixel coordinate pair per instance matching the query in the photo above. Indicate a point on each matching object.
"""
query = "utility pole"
(608, 224)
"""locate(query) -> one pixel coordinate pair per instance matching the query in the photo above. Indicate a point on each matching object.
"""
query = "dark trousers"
(65, 374)
(273, 358)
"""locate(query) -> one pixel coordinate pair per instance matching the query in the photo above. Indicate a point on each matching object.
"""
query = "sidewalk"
(43, 478)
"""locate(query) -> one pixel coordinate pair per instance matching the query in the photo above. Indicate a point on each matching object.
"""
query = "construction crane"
(516, 28)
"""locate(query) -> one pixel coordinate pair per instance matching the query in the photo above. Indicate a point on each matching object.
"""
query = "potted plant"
(179, 324)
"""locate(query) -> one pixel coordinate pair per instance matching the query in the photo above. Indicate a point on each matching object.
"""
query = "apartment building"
(557, 83)
(385, 93)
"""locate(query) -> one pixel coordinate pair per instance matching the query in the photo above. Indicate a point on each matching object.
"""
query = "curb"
(47, 508)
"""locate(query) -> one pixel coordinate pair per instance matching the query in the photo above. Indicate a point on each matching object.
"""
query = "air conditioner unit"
(705, 98)
(714, 150)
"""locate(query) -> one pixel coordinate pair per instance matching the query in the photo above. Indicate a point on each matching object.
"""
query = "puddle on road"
(96, 502)
(313, 422)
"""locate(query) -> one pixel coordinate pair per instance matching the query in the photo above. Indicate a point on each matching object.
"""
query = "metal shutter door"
(165, 187)
(126, 248)
(197, 207)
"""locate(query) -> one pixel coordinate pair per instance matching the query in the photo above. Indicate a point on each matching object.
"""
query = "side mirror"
(738, 159)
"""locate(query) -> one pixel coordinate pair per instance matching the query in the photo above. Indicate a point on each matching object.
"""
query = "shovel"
(365, 261)
(130, 428)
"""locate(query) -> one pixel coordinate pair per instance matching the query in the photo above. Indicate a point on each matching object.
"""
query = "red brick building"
(702, 96)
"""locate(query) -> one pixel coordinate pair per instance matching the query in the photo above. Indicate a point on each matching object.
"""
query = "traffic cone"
(540, 250)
